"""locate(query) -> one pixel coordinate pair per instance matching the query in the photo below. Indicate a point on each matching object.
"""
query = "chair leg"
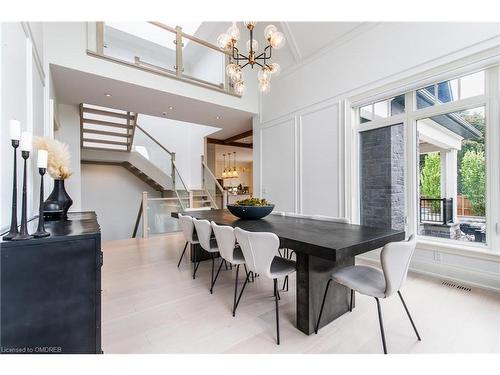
(285, 283)
(212, 276)
(352, 300)
(409, 316)
(381, 325)
(322, 305)
(237, 301)
(246, 269)
(183, 252)
(196, 264)
(277, 311)
(216, 276)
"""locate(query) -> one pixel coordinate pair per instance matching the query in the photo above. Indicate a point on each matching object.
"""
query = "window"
(382, 109)
(452, 176)
(451, 90)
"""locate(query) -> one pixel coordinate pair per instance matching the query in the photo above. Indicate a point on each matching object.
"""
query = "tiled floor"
(151, 306)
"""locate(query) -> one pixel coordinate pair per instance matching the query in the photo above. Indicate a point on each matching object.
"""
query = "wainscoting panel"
(278, 165)
(319, 161)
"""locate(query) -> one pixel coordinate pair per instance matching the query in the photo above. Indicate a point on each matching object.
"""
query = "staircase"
(114, 137)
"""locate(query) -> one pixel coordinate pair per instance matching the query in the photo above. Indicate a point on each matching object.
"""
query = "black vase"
(58, 203)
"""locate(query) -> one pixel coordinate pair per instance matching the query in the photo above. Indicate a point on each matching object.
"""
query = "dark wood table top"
(324, 239)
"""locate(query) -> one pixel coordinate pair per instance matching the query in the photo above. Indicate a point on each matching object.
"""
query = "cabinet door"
(48, 296)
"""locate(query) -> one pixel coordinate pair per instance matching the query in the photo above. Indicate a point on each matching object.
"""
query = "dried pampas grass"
(58, 158)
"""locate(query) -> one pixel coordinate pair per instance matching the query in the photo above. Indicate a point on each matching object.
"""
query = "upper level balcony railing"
(436, 210)
(161, 49)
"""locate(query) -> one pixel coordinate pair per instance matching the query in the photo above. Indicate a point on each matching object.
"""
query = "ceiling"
(243, 155)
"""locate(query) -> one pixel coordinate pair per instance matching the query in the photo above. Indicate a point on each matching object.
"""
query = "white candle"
(42, 159)
(15, 130)
(26, 141)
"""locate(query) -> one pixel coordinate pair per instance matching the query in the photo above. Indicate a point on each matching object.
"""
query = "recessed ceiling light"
(170, 107)
(219, 117)
(164, 113)
(108, 95)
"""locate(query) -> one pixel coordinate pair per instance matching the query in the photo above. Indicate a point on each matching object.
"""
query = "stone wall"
(382, 177)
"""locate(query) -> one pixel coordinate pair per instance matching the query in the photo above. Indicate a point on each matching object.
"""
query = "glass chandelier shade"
(255, 45)
(228, 42)
(239, 87)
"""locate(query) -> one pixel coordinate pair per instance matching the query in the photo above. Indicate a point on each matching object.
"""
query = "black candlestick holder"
(23, 231)
(41, 232)
(13, 220)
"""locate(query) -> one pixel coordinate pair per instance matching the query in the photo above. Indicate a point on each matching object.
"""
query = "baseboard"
(470, 277)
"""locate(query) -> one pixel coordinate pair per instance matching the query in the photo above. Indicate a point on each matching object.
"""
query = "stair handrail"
(154, 139)
(173, 166)
(217, 184)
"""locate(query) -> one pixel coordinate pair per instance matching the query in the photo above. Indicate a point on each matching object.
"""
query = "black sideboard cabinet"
(50, 292)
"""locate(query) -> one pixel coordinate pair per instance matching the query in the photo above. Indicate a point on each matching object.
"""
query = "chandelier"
(228, 40)
(228, 172)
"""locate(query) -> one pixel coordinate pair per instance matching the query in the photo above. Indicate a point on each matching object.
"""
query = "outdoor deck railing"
(436, 210)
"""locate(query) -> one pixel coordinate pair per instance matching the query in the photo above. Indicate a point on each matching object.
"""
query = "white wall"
(183, 138)
(299, 138)
(115, 195)
(22, 81)
(69, 133)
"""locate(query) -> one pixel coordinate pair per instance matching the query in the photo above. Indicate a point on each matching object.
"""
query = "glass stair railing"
(183, 52)
(214, 190)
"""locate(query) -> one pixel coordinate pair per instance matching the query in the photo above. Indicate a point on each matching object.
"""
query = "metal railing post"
(172, 161)
(178, 51)
(145, 227)
(191, 200)
(202, 172)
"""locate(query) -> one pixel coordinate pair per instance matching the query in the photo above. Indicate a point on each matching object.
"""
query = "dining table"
(320, 247)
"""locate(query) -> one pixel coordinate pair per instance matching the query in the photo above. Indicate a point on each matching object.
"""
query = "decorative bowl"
(250, 212)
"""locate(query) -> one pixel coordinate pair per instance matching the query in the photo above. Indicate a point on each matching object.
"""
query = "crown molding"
(344, 38)
(292, 43)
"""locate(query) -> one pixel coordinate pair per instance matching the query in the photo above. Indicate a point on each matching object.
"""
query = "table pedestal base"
(312, 275)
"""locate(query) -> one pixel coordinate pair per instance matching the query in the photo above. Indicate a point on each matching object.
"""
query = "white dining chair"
(260, 250)
(204, 232)
(187, 227)
(395, 260)
(231, 253)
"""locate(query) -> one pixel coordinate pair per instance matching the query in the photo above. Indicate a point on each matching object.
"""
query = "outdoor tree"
(473, 180)
(430, 176)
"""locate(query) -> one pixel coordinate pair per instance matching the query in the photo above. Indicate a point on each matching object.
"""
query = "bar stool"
(260, 250)
(395, 259)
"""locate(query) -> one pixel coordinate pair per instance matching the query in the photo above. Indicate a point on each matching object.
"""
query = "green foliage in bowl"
(253, 202)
